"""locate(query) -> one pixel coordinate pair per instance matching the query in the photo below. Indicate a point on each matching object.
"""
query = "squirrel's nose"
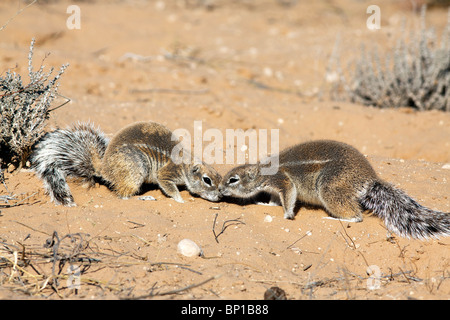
(223, 190)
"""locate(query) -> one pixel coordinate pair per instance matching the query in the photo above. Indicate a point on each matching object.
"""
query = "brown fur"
(338, 178)
(141, 153)
(137, 154)
(324, 173)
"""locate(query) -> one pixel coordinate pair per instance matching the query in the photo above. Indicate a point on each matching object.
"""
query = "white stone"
(189, 248)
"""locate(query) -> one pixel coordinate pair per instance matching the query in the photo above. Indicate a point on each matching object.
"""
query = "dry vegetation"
(24, 110)
(61, 264)
(415, 74)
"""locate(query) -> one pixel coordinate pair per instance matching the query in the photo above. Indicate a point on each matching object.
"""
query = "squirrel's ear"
(195, 168)
(252, 172)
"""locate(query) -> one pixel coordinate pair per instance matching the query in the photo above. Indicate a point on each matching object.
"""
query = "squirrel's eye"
(233, 180)
(207, 181)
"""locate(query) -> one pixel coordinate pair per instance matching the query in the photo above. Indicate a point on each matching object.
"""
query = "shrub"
(24, 109)
(416, 74)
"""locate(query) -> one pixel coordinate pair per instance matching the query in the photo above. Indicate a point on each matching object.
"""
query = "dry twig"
(225, 225)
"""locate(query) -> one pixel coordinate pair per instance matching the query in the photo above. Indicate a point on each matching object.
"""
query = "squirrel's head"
(241, 181)
(203, 180)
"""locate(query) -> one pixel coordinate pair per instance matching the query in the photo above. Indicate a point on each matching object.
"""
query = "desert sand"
(255, 64)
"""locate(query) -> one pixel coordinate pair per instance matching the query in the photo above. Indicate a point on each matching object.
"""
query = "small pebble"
(147, 198)
(189, 248)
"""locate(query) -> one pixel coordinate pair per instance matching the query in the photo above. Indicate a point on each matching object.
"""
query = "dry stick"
(346, 281)
(180, 58)
(62, 104)
(224, 226)
(6, 199)
(174, 91)
(10, 196)
(57, 255)
(76, 249)
(343, 228)
(23, 224)
(264, 86)
(353, 246)
(17, 13)
(308, 286)
(17, 203)
(389, 278)
(136, 224)
(290, 246)
(62, 259)
(189, 287)
(2, 178)
(142, 239)
(192, 286)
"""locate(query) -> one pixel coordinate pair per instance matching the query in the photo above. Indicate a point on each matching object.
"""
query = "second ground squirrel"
(137, 154)
(338, 178)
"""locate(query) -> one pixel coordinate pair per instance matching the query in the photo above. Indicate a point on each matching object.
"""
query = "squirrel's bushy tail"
(402, 214)
(76, 152)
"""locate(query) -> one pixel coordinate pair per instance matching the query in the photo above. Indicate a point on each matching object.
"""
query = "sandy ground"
(165, 62)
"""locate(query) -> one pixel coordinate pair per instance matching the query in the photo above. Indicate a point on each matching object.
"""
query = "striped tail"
(402, 214)
(56, 186)
(74, 152)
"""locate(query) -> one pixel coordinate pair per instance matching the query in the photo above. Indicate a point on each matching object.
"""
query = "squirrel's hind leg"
(125, 173)
(342, 205)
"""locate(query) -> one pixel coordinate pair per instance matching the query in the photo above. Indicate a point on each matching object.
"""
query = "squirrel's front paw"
(178, 199)
(289, 215)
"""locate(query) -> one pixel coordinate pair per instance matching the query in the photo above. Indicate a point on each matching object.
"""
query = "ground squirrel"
(137, 154)
(338, 178)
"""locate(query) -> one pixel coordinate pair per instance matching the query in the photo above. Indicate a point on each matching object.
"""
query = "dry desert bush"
(416, 73)
(24, 109)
